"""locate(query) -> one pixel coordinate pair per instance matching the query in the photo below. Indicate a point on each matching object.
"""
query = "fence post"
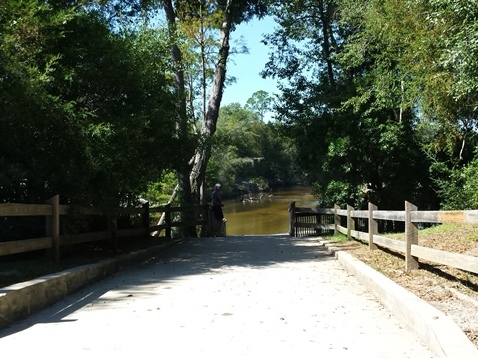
(411, 237)
(145, 217)
(292, 219)
(350, 222)
(210, 221)
(318, 221)
(167, 216)
(336, 219)
(205, 221)
(372, 226)
(112, 224)
(53, 226)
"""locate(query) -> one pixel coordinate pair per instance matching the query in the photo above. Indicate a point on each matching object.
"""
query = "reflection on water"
(266, 216)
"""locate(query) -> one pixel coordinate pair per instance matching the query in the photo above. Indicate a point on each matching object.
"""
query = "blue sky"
(246, 67)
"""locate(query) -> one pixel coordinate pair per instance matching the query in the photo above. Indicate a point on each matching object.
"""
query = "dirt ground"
(453, 291)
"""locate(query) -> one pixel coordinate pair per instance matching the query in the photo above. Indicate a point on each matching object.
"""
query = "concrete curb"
(20, 300)
(441, 333)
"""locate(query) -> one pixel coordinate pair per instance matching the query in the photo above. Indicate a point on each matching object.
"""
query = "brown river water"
(268, 215)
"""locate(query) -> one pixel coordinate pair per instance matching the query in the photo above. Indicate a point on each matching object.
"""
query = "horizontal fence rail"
(307, 221)
(200, 215)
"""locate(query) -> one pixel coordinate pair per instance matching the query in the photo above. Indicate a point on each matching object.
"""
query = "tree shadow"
(189, 257)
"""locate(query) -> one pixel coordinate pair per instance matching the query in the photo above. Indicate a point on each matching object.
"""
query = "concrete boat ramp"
(240, 296)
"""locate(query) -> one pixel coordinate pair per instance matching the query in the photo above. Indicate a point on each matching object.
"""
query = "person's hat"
(217, 185)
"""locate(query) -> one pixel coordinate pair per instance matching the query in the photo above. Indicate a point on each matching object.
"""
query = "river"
(268, 215)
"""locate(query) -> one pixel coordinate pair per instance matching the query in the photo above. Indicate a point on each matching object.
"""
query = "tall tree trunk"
(201, 158)
(182, 122)
(325, 18)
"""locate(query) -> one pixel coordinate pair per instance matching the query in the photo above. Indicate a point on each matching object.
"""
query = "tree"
(353, 153)
(230, 14)
(412, 55)
(248, 150)
(260, 102)
(81, 106)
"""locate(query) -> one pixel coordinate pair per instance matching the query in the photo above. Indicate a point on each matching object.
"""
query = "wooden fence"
(307, 221)
(54, 240)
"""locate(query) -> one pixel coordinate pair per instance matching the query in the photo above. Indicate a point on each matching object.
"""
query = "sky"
(246, 67)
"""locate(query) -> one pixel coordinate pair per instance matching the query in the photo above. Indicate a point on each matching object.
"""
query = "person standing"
(217, 206)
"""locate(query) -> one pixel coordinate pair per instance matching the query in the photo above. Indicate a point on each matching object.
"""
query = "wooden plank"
(350, 222)
(291, 210)
(53, 226)
(336, 219)
(430, 216)
(64, 209)
(309, 225)
(389, 243)
(130, 211)
(176, 209)
(16, 247)
(84, 237)
(181, 224)
(411, 237)
(328, 226)
(360, 235)
(302, 214)
(342, 212)
(342, 230)
(389, 215)
(315, 226)
(450, 217)
(362, 214)
(130, 232)
(157, 209)
(325, 211)
(10, 209)
(471, 216)
(157, 227)
(305, 211)
(91, 211)
(460, 261)
(372, 226)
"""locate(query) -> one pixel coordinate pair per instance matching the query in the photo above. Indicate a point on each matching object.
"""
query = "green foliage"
(457, 187)
(378, 101)
(415, 55)
(260, 103)
(419, 57)
(247, 150)
(346, 107)
(159, 192)
(86, 112)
